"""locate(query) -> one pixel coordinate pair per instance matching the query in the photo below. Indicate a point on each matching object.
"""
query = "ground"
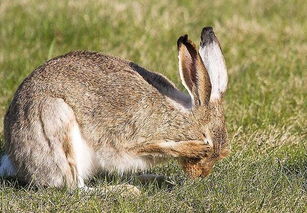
(265, 47)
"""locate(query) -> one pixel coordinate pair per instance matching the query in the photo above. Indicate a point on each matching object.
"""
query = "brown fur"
(188, 149)
(201, 167)
(70, 156)
(118, 106)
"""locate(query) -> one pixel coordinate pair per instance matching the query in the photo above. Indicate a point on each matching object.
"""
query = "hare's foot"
(187, 149)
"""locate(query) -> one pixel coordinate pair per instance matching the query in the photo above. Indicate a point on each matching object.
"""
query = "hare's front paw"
(186, 149)
(194, 149)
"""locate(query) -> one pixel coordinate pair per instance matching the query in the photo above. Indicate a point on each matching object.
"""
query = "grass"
(265, 47)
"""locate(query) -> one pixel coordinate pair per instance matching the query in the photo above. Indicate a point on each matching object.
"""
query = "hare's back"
(106, 93)
(82, 74)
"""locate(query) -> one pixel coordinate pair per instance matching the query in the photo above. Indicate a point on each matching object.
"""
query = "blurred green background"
(265, 47)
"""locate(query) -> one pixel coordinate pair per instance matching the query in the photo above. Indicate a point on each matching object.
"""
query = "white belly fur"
(89, 162)
(85, 157)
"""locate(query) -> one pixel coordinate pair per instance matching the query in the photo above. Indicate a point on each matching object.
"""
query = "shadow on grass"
(297, 168)
(142, 180)
(145, 181)
(13, 182)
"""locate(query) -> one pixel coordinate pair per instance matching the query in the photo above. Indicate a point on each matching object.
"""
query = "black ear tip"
(207, 29)
(207, 36)
(182, 40)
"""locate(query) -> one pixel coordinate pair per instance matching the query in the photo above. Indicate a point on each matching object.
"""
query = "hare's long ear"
(212, 56)
(193, 73)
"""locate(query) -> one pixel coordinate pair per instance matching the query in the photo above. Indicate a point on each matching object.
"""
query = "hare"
(85, 112)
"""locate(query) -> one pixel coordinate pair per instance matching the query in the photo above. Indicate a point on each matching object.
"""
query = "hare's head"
(204, 75)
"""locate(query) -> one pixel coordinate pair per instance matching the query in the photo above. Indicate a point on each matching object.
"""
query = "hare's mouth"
(195, 168)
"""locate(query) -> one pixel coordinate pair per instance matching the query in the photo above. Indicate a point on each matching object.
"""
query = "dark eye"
(207, 137)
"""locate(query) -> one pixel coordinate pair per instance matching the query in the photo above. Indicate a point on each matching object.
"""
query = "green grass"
(265, 47)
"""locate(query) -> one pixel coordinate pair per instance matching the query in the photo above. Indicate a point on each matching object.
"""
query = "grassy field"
(265, 47)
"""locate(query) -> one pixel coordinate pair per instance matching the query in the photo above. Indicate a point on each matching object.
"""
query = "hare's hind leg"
(45, 143)
(61, 129)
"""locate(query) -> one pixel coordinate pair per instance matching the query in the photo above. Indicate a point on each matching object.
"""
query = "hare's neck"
(177, 127)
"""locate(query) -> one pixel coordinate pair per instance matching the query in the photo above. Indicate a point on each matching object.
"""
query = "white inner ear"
(214, 62)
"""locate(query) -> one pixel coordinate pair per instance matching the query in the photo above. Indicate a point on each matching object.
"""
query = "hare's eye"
(208, 140)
